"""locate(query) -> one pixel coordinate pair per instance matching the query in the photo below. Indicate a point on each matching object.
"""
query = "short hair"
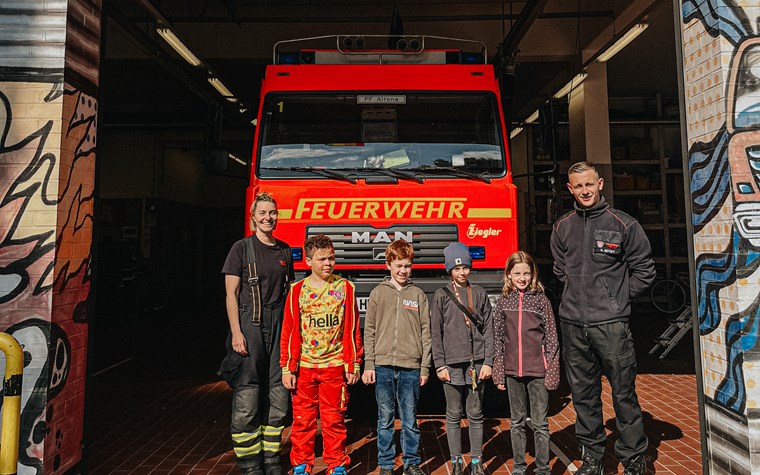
(521, 257)
(317, 241)
(580, 167)
(262, 196)
(398, 250)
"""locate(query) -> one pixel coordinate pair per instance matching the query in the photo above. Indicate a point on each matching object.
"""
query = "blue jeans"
(397, 387)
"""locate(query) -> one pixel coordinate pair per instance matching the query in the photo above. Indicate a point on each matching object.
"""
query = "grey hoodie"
(397, 328)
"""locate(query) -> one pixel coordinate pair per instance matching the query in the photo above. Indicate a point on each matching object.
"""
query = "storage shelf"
(637, 192)
(645, 153)
(636, 162)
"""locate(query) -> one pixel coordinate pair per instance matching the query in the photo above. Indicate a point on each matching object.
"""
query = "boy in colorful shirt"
(321, 352)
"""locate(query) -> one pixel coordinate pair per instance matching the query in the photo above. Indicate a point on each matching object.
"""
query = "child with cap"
(462, 334)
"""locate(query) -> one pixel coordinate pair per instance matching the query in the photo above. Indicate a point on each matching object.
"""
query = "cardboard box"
(623, 182)
(643, 183)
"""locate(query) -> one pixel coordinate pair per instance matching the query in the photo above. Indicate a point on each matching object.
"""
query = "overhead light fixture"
(574, 82)
(219, 86)
(168, 35)
(236, 158)
(532, 118)
(621, 43)
(515, 132)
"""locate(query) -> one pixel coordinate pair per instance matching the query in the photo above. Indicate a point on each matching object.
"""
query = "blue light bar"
(289, 58)
(297, 253)
(472, 58)
(478, 252)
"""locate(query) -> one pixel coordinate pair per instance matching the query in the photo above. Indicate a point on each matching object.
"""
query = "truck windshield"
(420, 132)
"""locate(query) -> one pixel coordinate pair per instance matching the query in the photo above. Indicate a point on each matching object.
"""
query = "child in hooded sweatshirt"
(462, 333)
(526, 356)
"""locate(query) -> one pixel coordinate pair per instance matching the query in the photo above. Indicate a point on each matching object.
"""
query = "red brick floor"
(160, 426)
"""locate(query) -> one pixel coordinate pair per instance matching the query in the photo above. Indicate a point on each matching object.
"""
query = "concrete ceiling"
(144, 82)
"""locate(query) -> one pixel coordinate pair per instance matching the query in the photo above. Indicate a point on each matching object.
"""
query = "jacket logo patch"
(411, 304)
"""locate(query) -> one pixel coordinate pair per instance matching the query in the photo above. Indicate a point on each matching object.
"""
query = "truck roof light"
(289, 58)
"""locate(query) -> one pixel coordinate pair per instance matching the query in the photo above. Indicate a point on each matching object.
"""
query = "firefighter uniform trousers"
(322, 390)
(260, 401)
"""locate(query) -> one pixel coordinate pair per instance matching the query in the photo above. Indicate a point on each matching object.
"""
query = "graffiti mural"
(722, 95)
(48, 124)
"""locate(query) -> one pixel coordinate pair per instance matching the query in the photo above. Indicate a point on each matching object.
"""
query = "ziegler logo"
(474, 231)
(381, 237)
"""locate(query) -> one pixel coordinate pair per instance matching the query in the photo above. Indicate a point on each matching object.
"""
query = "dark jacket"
(604, 259)
(525, 338)
(451, 343)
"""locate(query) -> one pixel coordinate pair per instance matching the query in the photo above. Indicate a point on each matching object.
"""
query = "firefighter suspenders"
(254, 281)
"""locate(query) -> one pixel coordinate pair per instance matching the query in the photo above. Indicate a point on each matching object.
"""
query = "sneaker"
(413, 469)
(340, 470)
(477, 468)
(457, 467)
(386, 471)
(300, 470)
(636, 465)
(591, 466)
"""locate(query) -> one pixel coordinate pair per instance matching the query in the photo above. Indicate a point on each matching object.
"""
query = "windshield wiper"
(454, 171)
(388, 172)
(326, 172)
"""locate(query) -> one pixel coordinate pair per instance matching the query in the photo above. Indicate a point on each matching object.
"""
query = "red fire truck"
(372, 139)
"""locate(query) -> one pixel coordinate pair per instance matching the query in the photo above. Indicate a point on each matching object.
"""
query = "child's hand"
(443, 374)
(423, 380)
(352, 378)
(369, 376)
(485, 372)
(501, 387)
(289, 381)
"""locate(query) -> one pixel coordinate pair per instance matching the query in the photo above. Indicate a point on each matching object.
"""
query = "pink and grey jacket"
(525, 338)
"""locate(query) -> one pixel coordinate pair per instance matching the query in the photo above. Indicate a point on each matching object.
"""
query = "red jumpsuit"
(321, 342)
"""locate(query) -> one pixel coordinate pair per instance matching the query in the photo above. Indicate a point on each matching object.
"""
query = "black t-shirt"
(271, 267)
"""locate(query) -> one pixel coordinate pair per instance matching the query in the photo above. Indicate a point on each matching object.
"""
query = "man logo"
(378, 253)
(381, 237)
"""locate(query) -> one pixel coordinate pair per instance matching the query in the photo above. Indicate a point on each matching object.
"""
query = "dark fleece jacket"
(603, 257)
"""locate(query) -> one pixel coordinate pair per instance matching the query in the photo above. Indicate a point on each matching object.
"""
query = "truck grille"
(366, 244)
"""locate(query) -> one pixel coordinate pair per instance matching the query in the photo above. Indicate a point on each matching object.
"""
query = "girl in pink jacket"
(526, 356)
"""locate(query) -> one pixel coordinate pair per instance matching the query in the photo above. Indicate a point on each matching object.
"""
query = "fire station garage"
(137, 136)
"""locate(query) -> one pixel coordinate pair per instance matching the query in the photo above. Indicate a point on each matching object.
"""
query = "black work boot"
(591, 466)
(272, 466)
(257, 470)
(636, 465)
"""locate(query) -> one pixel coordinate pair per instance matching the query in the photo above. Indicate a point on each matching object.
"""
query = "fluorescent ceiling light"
(236, 158)
(532, 118)
(574, 82)
(178, 46)
(621, 43)
(515, 132)
(219, 86)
